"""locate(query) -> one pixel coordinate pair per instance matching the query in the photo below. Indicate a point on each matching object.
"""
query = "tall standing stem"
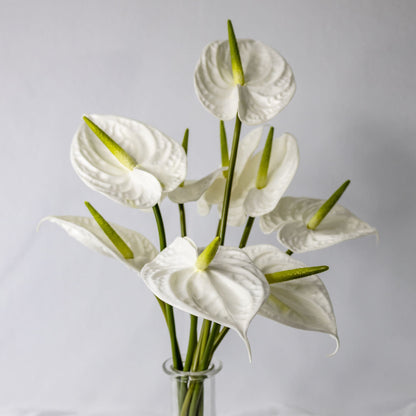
(170, 318)
(229, 183)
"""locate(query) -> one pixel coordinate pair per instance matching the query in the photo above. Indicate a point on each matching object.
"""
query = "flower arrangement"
(138, 166)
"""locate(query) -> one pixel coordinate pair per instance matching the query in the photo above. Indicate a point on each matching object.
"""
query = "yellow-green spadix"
(261, 180)
(206, 257)
(246, 198)
(111, 233)
(291, 222)
(87, 231)
(229, 291)
(327, 206)
(244, 77)
(237, 68)
(128, 161)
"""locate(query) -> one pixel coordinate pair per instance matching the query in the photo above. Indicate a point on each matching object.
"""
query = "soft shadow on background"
(79, 332)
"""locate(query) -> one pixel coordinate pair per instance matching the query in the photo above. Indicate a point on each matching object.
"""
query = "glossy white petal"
(291, 215)
(192, 190)
(87, 232)
(161, 161)
(246, 199)
(284, 161)
(213, 80)
(269, 82)
(230, 291)
(301, 303)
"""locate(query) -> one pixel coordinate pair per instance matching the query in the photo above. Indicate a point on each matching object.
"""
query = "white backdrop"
(79, 331)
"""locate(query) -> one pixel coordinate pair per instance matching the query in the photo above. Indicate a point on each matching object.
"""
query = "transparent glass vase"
(192, 393)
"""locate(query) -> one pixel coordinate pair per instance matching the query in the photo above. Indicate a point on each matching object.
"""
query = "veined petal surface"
(301, 303)
(269, 82)
(161, 162)
(230, 291)
(291, 216)
(88, 232)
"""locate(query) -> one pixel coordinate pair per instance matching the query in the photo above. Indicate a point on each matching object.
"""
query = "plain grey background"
(79, 331)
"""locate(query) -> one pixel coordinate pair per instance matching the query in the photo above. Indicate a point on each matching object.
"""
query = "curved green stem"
(219, 338)
(246, 232)
(193, 339)
(169, 316)
(160, 227)
(182, 219)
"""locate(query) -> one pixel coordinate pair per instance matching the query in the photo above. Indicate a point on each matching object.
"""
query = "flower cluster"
(138, 166)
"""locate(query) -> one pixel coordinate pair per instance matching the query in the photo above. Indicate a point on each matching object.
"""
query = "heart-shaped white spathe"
(161, 162)
(246, 199)
(229, 291)
(290, 218)
(88, 232)
(300, 303)
(268, 88)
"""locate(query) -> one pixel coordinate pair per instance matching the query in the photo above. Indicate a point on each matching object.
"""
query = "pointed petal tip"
(336, 339)
(41, 222)
(247, 344)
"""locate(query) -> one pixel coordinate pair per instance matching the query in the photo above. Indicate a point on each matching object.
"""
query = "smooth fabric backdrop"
(80, 332)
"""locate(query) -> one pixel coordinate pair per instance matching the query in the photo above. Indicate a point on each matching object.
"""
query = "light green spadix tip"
(111, 233)
(185, 147)
(287, 275)
(225, 159)
(206, 257)
(185, 141)
(327, 206)
(261, 180)
(237, 68)
(122, 156)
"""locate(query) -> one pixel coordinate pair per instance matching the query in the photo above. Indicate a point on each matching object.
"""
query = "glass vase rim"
(214, 368)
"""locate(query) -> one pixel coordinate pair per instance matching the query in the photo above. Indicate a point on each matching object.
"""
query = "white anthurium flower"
(291, 216)
(156, 163)
(192, 190)
(268, 87)
(246, 198)
(230, 291)
(88, 232)
(301, 303)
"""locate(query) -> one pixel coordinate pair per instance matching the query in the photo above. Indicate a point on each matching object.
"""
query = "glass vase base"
(274, 410)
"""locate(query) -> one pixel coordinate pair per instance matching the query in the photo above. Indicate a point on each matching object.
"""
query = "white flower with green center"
(229, 290)
(247, 197)
(300, 303)
(291, 217)
(260, 90)
(132, 248)
(129, 162)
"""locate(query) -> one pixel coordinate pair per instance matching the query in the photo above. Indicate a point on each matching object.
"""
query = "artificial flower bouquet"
(138, 166)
